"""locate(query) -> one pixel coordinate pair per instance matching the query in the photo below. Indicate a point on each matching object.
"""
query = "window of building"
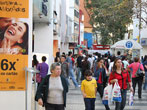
(77, 2)
(76, 13)
(76, 26)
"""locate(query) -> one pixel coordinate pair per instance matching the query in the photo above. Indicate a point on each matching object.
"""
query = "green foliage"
(110, 18)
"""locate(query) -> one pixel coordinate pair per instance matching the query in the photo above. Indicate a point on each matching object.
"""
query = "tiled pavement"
(75, 101)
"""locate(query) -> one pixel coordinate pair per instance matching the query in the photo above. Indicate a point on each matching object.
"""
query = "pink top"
(135, 67)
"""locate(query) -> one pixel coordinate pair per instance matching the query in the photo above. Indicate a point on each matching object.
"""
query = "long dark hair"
(24, 44)
(114, 68)
(98, 60)
(35, 61)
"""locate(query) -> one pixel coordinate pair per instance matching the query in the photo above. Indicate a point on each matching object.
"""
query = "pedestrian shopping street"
(75, 101)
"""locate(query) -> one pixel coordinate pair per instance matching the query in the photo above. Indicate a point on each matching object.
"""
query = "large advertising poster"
(14, 34)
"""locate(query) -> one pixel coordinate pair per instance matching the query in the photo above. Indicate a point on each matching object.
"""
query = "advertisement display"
(14, 35)
(14, 8)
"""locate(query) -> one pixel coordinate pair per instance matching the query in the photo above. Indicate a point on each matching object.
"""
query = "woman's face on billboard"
(15, 32)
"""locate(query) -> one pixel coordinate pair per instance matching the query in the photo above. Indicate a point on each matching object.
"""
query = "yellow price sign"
(12, 73)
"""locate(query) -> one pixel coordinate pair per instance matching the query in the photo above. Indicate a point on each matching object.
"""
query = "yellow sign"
(14, 8)
(12, 73)
(138, 38)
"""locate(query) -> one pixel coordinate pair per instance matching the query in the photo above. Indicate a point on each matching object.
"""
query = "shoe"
(139, 98)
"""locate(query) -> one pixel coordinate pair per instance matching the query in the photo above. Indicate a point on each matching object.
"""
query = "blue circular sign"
(129, 44)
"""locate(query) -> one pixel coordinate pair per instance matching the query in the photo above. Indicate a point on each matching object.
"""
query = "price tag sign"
(12, 73)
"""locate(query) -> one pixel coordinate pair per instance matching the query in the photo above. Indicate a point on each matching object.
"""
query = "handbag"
(139, 72)
(38, 77)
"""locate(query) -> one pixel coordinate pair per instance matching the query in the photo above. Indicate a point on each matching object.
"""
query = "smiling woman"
(15, 39)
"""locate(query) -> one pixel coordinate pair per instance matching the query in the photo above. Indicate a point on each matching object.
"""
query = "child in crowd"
(89, 89)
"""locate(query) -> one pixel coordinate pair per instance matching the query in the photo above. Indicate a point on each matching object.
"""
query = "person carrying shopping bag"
(120, 76)
(100, 76)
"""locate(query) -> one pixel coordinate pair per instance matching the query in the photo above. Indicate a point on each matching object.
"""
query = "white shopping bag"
(116, 93)
(131, 97)
(107, 95)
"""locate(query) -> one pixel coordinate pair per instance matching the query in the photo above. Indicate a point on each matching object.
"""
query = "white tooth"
(11, 31)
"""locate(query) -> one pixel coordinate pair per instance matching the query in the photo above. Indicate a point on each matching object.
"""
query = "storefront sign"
(129, 44)
(101, 47)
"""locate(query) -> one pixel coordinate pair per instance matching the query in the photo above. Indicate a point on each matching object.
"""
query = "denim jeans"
(89, 103)
(145, 83)
(67, 81)
(71, 74)
(121, 105)
(54, 107)
(78, 74)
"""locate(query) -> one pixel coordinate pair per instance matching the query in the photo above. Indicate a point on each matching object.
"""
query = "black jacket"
(42, 91)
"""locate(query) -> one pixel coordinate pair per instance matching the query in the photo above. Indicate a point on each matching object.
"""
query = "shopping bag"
(116, 93)
(131, 97)
(107, 95)
(38, 78)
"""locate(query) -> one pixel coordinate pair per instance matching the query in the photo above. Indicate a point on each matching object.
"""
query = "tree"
(140, 8)
(110, 17)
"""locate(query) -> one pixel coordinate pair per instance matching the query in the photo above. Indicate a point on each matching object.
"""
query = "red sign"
(101, 47)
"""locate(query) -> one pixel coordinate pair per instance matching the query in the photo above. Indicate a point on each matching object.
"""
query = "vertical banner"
(14, 35)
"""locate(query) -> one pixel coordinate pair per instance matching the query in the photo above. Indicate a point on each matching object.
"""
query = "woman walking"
(52, 90)
(100, 76)
(119, 75)
(135, 66)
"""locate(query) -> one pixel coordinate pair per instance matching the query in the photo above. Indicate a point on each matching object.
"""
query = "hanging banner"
(14, 34)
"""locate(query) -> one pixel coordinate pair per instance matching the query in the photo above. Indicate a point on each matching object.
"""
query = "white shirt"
(125, 63)
(110, 67)
(91, 62)
(55, 94)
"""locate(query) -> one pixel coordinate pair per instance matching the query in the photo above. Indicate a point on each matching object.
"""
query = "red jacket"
(122, 78)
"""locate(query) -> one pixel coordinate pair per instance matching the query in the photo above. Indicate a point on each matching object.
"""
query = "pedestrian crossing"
(75, 101)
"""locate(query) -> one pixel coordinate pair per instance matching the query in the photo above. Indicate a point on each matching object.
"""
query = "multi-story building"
(73, 13)
(87, 27)
(49, 27)
(43, 21)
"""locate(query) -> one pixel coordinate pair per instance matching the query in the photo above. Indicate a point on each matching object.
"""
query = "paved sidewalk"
(75, 101)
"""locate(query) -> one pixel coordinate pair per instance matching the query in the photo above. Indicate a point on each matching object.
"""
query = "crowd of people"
(92, 73)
